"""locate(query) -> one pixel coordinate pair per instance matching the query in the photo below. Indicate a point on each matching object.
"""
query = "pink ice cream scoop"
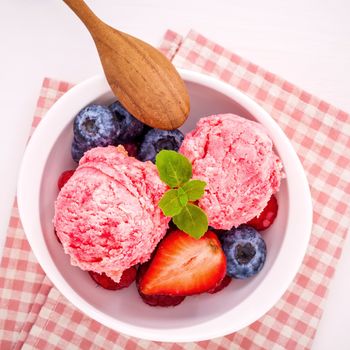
(236, 159)
(107, 215)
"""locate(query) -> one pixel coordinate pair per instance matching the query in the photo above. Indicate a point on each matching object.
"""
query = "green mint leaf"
(183, 198)
(192, 220)
(174, 168)
(194, 189)
(170, 203)
(176, 171)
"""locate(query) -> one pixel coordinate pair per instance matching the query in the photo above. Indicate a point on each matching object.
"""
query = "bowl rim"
(283, 270)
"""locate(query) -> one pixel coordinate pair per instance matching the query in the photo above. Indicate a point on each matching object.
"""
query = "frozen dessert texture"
(107, 215)
(235, 157)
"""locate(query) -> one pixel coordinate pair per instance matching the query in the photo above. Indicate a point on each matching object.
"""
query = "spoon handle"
(79, 7)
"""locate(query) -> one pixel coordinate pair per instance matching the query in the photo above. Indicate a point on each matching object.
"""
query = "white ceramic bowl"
(199, 317)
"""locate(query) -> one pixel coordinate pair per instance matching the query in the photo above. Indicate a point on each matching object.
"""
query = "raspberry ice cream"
(236, 159)
(107, 215)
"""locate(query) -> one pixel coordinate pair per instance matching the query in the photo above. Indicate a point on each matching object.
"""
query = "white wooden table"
(306, 42)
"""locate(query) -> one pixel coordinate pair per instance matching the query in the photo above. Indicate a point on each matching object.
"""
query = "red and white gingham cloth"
(34, 315)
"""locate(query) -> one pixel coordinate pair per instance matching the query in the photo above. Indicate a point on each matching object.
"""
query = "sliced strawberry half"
(223, 284)
(64, 177)
(266, 217)
(106, 282)
(183, 265)
(156, 300)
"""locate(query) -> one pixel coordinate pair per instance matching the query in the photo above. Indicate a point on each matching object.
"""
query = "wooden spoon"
(142, 78)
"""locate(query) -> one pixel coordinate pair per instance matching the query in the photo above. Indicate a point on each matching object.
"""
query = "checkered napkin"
(34, 315)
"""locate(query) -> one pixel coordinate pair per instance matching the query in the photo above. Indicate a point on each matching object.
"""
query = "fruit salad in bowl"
(171, 235)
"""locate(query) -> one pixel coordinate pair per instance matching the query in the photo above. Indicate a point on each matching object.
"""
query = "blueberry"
(156, 140)
(95, 126)
(130, 127)
(245, 251)
(78, 149)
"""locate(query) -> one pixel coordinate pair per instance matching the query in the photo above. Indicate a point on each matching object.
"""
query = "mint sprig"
(194, 189)
(192, 220)
(176, 171)
(170, 203)
(174, 168)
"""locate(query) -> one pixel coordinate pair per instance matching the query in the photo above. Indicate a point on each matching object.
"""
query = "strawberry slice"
(183, 265)
(162, 300)
(265, 219)
(223, 284)
(156, 300)
(64, 177)
(106, 282)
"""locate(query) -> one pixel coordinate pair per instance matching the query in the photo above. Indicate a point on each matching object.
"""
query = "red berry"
(106, 282)
(266, 217)
(181, 267)
(64, 177)
(161, 300)
(128, 277)
(156, 300)
(223, 284)
(131, 148)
